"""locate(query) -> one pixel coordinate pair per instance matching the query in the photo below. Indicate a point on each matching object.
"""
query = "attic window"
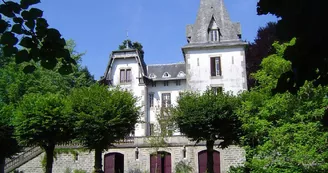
(181, 74)
(213, 31)
(152, 75)
(166, 75)
(214, 35)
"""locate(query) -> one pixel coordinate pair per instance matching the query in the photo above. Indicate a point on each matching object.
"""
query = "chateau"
(214, 57)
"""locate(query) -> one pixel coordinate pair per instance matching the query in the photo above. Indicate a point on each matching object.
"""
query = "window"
(166, 100)
(166, 83)
(125, 75)
(151, 100)
(217, 90)
(216, 66)
(214, 35)
(178, 82)
(151, 129)
(153, 84)
(166, 74)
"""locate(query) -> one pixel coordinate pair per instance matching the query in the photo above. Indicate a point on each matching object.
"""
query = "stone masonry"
(231, 156)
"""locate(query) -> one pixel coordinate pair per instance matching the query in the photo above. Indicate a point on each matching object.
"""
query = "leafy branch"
(39, 42)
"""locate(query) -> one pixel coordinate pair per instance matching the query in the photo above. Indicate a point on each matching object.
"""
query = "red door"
(160, 163)
(167, 163)
(216, 159)
(114, 163)
(202, 161)
(153, 163)
(109, 163)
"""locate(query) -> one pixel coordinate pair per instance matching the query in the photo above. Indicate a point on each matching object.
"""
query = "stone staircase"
(22, 158)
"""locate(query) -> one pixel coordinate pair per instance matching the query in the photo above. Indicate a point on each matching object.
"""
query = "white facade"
(214, 58)
(231, 64)
(153, 82)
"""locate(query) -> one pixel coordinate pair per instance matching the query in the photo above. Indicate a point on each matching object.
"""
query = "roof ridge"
(182, 62)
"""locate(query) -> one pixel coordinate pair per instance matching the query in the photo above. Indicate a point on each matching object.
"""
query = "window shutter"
(213, 67)
(163, 100)
(122, 76)
(219, 64)
(128, 75)
(169, 99)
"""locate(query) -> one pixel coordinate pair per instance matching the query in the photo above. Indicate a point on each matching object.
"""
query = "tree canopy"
(40, 43)
(44, 120)
(300, 19)
(103, 116)
(134, 45)
(259, 49)
(283, 132)
(14, 84)
(208, 117)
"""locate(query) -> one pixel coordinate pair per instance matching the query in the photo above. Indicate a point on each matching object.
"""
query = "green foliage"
(73, 152)
(207, 116)
(103, 116)
(79, 171)
(134, 45)
(183, 167)
(41, 119)
(260, 48)
(308, 59)
(68, 170)
(161, 130)
(45, 44)
(283, 132)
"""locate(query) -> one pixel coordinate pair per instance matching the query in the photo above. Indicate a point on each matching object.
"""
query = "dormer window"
(181, 74)
(214, 35)
(152, 75)
(213, 32)
(166, 75)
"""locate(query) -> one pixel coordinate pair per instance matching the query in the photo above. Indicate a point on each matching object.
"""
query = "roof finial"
(127, 46)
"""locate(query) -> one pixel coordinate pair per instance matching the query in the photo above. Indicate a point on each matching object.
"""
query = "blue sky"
(99, 26)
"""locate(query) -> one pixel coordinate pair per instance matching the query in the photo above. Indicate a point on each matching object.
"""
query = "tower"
(215, 53)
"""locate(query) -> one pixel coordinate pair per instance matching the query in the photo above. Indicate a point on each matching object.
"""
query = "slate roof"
(212, 9)
(175, 71)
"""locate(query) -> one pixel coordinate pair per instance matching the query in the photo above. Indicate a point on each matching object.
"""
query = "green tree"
(160, 131)
(300, 19)
(103, 116)
(259, 49)
(40, 43)
(14, 84)
(283, 132)
(134, 45)
(8, 143)
(44, 121)
(208, 117)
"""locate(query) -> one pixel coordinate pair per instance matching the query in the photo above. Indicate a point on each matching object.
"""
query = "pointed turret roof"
(209, 10)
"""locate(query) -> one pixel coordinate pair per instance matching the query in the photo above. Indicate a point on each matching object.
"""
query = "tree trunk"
(2, 165)
(210, 163)
(50, 157)
(98, 160)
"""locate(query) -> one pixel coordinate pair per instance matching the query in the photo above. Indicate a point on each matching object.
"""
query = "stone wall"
(232, 156)
(84, 161)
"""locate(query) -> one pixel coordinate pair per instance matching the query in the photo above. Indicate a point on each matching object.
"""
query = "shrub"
(183, 167)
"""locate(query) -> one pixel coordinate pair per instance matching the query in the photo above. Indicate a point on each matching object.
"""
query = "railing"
(19, 160)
